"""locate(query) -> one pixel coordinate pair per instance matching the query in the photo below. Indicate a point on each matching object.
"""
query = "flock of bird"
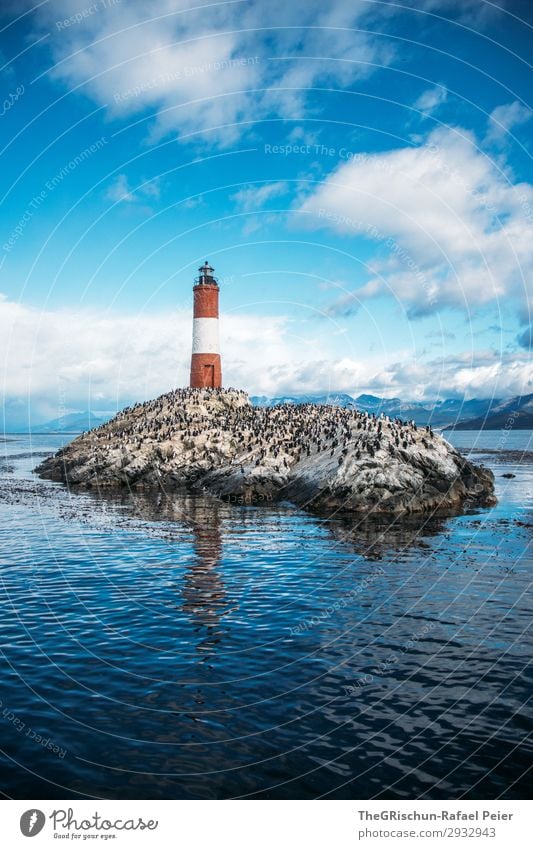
(189, 424)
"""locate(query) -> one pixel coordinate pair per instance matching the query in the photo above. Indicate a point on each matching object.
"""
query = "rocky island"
(319, 457)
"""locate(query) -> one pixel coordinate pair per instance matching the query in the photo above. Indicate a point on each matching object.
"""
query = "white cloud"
(74, 360)
(196, 69)
(254, 197)
(78, 359)
(302, 135)
(452, 228)
(431, 99)
(505, 118)
(119, 190)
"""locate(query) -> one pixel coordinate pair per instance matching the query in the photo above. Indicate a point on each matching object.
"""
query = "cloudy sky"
(359, 173)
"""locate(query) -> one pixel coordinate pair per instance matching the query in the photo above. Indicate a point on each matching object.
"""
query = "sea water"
(177, 647)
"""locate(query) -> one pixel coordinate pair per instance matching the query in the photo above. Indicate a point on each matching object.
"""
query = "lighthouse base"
(206, 371)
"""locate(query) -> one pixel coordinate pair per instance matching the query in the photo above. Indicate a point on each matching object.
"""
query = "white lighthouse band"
(205, 336)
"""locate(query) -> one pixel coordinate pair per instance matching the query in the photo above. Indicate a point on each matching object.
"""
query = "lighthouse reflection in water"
(205, 599)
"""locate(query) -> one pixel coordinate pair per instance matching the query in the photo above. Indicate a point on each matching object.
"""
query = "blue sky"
(358, 173)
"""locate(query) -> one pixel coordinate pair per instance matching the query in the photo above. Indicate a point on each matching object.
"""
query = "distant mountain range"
(513, 414)
(451, 414)
(454, 413)
(72, 423)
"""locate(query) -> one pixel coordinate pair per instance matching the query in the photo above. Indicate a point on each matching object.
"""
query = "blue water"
(185, 648)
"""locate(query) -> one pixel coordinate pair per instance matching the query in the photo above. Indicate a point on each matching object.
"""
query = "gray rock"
(319, 457)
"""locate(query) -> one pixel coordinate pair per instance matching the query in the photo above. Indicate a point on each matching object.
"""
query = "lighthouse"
(206, 370)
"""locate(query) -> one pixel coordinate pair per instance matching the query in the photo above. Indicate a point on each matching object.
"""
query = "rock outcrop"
(317, 456)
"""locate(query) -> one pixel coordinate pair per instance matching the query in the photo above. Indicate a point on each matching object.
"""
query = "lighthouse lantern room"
(206, 370)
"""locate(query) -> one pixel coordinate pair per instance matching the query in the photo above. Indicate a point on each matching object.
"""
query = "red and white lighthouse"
(206, 370)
